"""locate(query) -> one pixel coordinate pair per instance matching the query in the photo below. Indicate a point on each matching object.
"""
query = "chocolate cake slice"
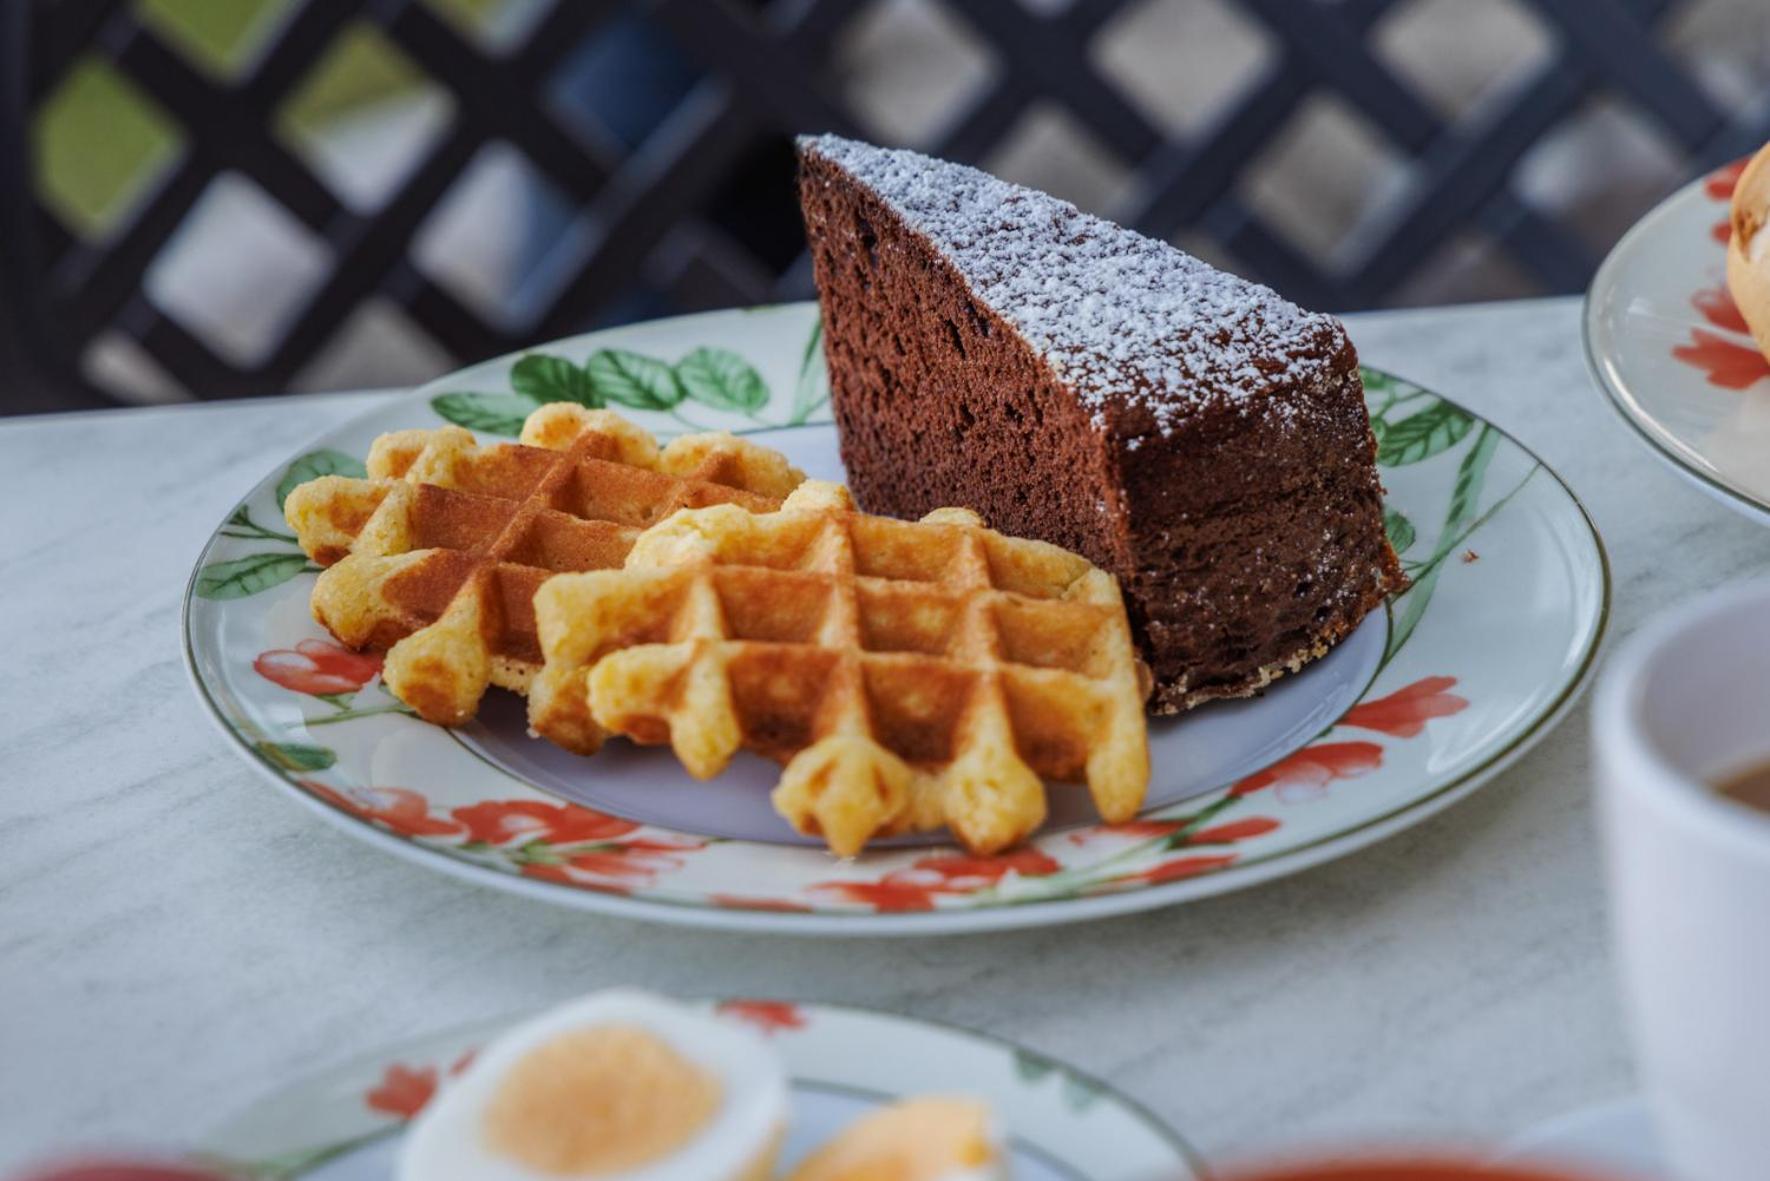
(994, 347)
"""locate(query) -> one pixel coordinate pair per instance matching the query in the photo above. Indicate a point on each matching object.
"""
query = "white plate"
(1665, 342)
(1423, 703)
(1061, 1125)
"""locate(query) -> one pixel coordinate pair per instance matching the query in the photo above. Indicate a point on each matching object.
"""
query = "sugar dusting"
(1117, 315)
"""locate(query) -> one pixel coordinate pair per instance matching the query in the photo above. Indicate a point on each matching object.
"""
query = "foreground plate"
(1061, 1125)
(1666, 343)
(1423, 703)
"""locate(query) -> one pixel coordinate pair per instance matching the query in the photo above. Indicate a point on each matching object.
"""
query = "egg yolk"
(598, 1101)
(915, 1140)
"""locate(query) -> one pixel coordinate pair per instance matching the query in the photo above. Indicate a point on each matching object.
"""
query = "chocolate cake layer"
(1205, 441)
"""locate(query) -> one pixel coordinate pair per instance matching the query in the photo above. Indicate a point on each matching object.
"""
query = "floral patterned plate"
(1061, 1125)
(1667, 344)
(1424, 702)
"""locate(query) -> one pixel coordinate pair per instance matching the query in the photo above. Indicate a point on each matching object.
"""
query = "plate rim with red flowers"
(1668, 347)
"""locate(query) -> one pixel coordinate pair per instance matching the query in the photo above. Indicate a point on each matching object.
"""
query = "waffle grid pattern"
(436, 557)
(910, 675)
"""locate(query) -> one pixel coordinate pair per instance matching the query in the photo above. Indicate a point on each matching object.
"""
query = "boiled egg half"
(619, 1086)
(933, 1138)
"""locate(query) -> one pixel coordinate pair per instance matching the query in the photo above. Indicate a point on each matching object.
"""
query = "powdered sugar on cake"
(1115, 314)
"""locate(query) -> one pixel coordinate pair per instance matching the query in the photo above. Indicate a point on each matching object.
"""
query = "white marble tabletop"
(176, 937)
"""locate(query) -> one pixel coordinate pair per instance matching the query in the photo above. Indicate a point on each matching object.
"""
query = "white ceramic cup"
(1685, 701)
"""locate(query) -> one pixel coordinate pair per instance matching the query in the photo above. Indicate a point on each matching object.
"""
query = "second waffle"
(910, 675)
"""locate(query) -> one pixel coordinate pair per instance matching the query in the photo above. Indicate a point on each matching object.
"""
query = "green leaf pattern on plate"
(249, 575)
(1459, 522)
(717, 378)
(1399, 529)
(298, 756)
(812, 389)
(1033, 1069)
(1420, 436)
(1433, 428)
(634, 380)
(315, 464)
(543, 377)
(489, 414)
(723, 380)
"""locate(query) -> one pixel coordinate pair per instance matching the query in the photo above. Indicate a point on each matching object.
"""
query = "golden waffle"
(909, 674)
(437, 555)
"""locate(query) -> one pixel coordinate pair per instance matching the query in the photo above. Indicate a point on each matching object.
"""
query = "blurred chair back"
(328, 192)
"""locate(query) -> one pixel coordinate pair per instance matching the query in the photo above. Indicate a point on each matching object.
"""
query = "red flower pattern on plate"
(403, 1091)
(614, 867)
(598, 853)
(1180, 867)
(1719, 186)
(399, 808)
(1305, 775)
(614, 861)
(1234, 830)
(885, 896)
(1405, 712)
(1720, 183)
(1730, 365)
(770, 1017)
(1298, 778)
(497, 822)
(1717, 307)
(962, 873)
(944, 875)
(318, 668)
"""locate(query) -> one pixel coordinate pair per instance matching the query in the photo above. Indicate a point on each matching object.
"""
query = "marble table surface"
(176, 937)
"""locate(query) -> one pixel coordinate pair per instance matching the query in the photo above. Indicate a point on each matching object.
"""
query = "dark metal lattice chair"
(692, 207)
